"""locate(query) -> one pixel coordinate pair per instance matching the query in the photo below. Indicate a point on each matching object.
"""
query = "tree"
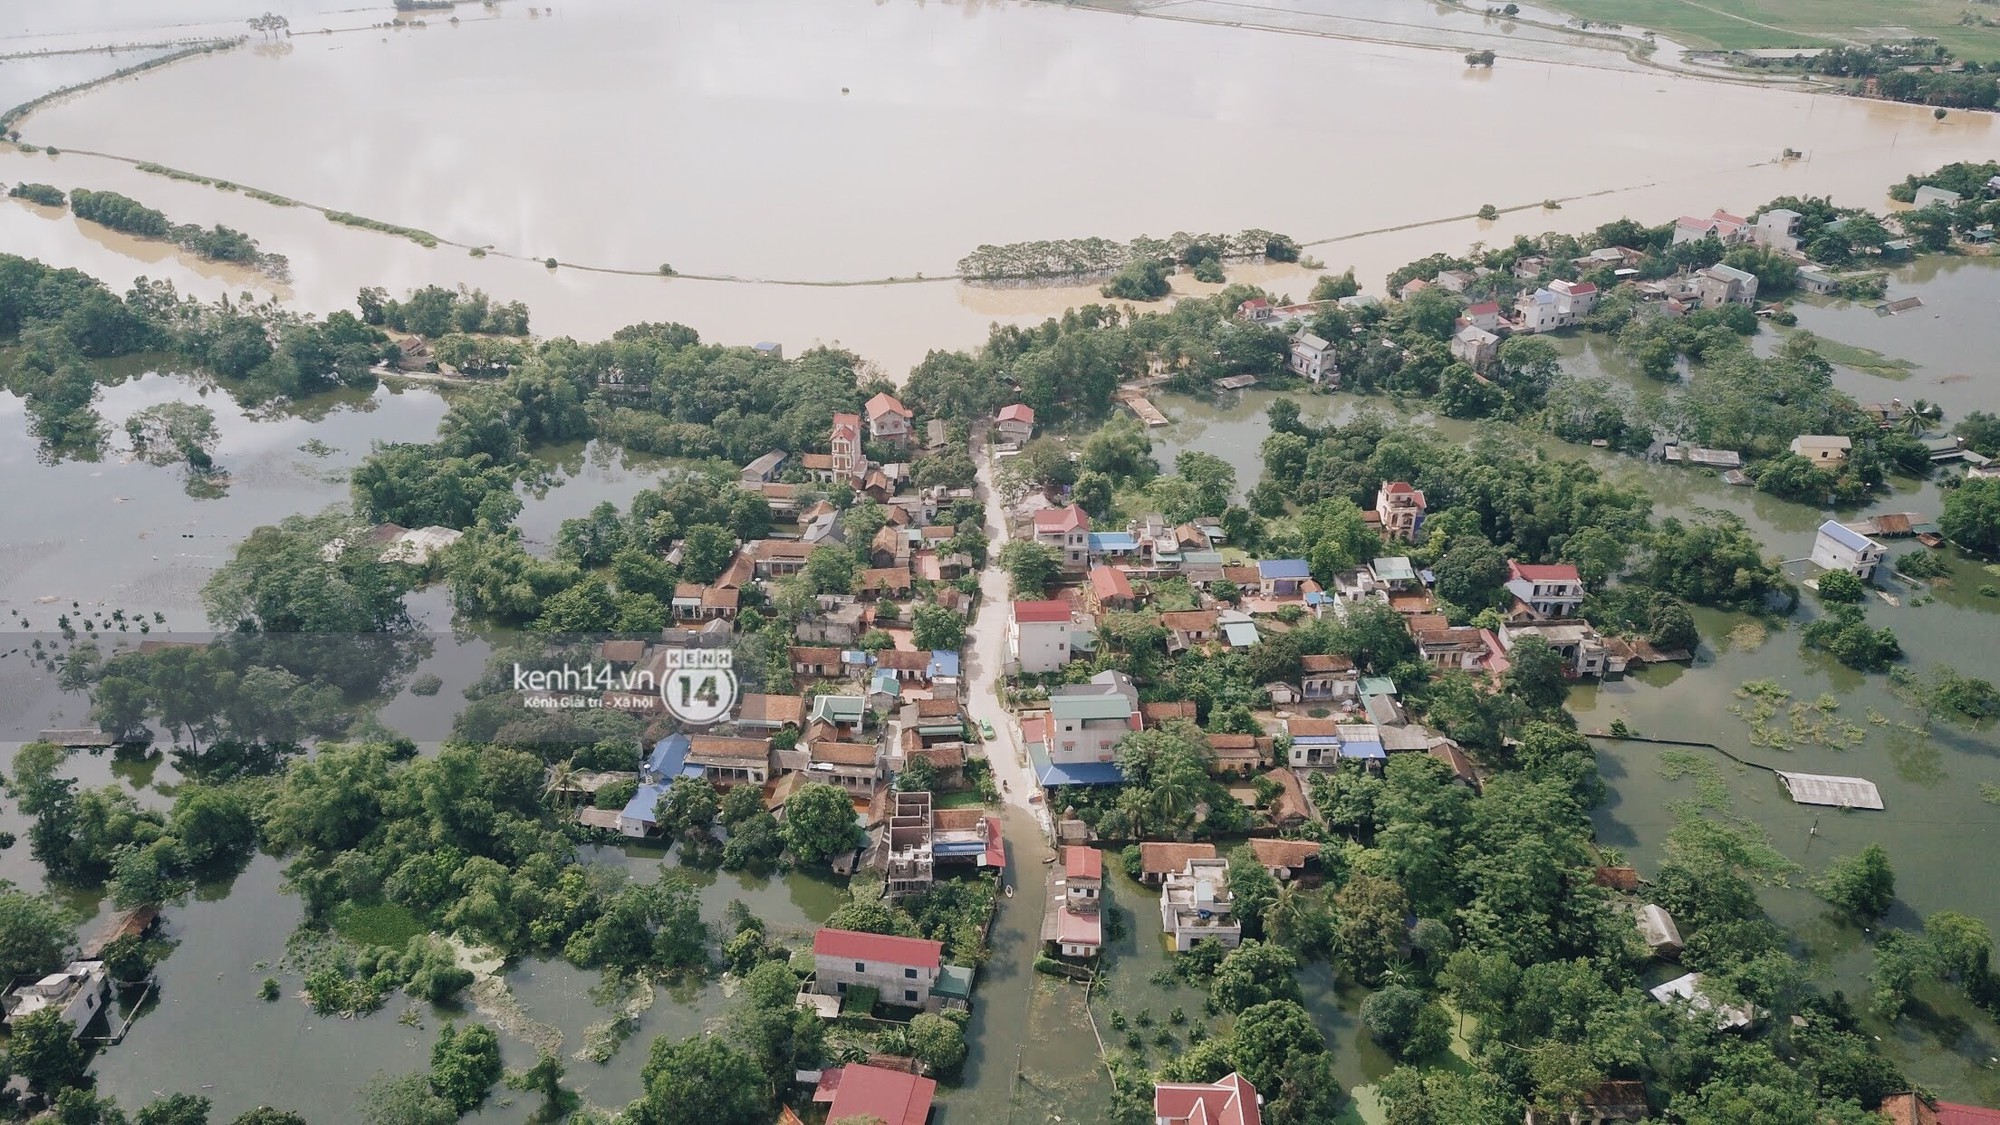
(404, 1099)
(1863, 885)
(689, 805)
(1032, 566)
(1404, 1023)
(1254, 973)
(938, 1043)
(1838, 586)
(1251, 886)
(1479, 58)
(937, 628)
(1370, 910)
(175, 1109)
(265, 1115)
(43, 1049)
(1972, 515)
(465, 1064)
(820, 823)
(703, 1079)
(1472, 574)
(1535, 675)
(1332, 288)
(1268, 1037)
(34, 933)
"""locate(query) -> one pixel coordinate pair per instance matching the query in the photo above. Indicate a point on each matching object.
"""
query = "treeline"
(1080, 258)
(1925, 74)
(63, 320)
(217, 243)
(435, 311)
(43, 194)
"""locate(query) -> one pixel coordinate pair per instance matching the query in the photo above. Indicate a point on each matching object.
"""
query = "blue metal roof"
(640, 807)
(669, 756)
(1082, 773)
(959, 847)
(855, 656)
(1846, 537)
(1362, 750)
(1318, 597)
(1284, 568)
(943, 663)
(1113, 541)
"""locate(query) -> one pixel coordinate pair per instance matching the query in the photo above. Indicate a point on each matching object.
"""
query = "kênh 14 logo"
(697, 686)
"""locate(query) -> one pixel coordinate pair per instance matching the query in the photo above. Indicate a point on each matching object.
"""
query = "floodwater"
(623, 135)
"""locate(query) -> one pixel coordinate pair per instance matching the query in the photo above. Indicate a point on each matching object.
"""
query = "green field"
(1800, 23)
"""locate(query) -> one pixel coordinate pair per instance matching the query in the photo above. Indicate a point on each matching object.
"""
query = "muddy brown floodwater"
(717, 138)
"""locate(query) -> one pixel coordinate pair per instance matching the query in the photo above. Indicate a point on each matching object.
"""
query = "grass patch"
(963, 799)
(1732, 24)
(423, 238)
(383, 923)
(1866, 360)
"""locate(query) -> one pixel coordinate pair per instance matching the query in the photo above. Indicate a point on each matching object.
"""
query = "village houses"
(1311, 358)
(1400, 508)
(1038, 636)
(1544, 591)
(888, 420)
(902, 970)
(1195, 904)
(1825, 451)
(1067, 531)
(1014, 425)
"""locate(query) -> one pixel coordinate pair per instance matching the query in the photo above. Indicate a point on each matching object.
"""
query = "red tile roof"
(1070, 518)
(1074, 928)
(1017, 413)
(1160, 858)
(885, 403)
(1483, 308)
(851, 946)
(1110, 582)
(1232, 1101)
(1041, 611)
(1536, 572)
(891, 1096)
(1284, 853)
(1083, 863)
(1582, 288)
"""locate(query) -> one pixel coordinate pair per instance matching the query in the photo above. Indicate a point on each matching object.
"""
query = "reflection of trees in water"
(275, 49)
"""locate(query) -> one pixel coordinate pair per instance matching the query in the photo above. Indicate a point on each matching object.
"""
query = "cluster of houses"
(1073, 741)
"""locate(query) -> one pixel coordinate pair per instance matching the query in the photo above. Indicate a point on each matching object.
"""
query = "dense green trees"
(820, 823)
(465, 1064)
(701, 1078)
(1033, 567)
(1863, 885)
(1972, 516)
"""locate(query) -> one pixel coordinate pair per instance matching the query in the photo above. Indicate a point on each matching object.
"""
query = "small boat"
(1048, 859)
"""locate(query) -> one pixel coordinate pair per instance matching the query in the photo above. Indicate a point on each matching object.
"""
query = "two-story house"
(1188, 628)
(1231, 1100)
(1075, 925)
(849, 464)
(1400, 506)
(1067, 530)
(1825, 451)
(1583, 652)
(888, 420)
(1720, 285)
(1196, 903)
(1446, 646)
(1311, 358)
(731, 761)
(1038, 636)
(1842, 548)
(1326, 678)
(1476, 346)
(1543, 591)
(1014, 425)
(1282, 578)
(1087, 728)
(902, 970)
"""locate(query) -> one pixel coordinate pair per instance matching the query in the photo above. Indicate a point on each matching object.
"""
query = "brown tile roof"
(936, 708)
(734, 751)
(1190, 621)
(956, 820)
(1421, 623)
(1238, 747)
(845, 753)
(1160, 858)
(1284, 853)
(902, 660)
(1327, 663)
(622, 652)
(756, 707)
(885, 578)
(1617, 878)
(1290, 803)
(765, 549)
(1312, 728)
(941, 757)
(807, 654)
(1242, 575)
(820, 461)
(1157, 713)
(720, 597)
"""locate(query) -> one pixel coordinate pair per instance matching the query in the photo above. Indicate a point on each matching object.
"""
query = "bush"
(1921, 563)
(1840, 587)
(43, 194)
(615, 795)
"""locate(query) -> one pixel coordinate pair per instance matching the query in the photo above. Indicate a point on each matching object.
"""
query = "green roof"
(1084, 707)
(1377, 685)
(838, 708)
(954, 982)
(1395, 568)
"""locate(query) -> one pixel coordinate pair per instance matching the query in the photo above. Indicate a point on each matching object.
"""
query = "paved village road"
(986, 651)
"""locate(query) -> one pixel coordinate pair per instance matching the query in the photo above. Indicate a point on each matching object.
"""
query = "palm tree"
(561, 782)
(1286, 919)
(1176, 789)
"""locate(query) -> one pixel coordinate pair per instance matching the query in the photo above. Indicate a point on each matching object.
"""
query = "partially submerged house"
(1196, 904)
